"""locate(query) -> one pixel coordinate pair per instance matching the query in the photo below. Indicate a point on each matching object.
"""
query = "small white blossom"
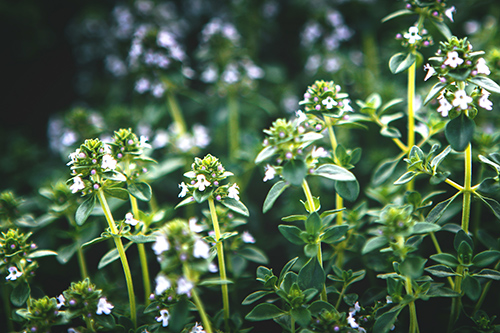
(484, 102)
(202, 182)
(13, 273)
(142, 85)
(129, 219)
(161, 245)
(158, 89)
(301, 116)
(462, 100)
(212, 268)
(412, 35)
(482, 68)
(143, 143)
(329, 102)
(78, 185)
(246, 237)
(184, 190)
(73, 157)
(200, 136)
(453, 60)
(194, 226)
(163, 318)
(449, 12)
(104, 306)
(108, 162)
(319, 152)
(346, 106)
(184, 286)
(197, 329)
(430, 71)
(162, 284)
(61, 301)
(201, 249)
(270, 172)
(444, 106)
(72, 330)
(232, 192)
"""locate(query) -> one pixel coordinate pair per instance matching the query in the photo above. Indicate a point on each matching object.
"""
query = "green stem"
(233, 125)
(121, 252)
(79, 252)
(339, 202)
(456, 303)
(175, 112)
(222, 265)
(292, 324)
(411, 113)
(413, 309)
(467, 188)
(201, 310)
(438, 250)
(341, 295)
(484, 292)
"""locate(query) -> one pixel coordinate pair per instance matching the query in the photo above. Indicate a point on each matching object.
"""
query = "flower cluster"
(15, 249)
(396, 220)
(205, 177)
(41, 314)
(198, 138)
(125, 142)
(435, 10)
(415, 38)
(9, 207)
(325, 98)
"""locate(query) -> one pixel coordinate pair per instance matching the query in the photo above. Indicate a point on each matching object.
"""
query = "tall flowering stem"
(121, 252)
(411, 113)
(175, 112)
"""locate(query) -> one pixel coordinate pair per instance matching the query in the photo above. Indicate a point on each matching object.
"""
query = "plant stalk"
(201, 310)
(175, 112)
(339, 202)
(222, 265)
(413, 309)
(411, 114)
(233, 125)
(79, 252)
(121, 252)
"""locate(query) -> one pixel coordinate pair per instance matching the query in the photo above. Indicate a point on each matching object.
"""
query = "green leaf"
(186, 201)
(140, 190)
(385, 322)
(291, 233)
(441, 271)
(313, 223)
(331, 212)
(235, 205)
(486, 83)
(438, 210)
(486, 258)
(312, 275)
(405, 178)
(293, 218)
(401, 62)
(471, 287)
(311, 250)
(301, 315)
(140, 239)
(425, 227)
(435, 90)
(20, 294)
(348, 190)
(201, 196)
(265, 153)
(459, 132)
(294, 172)
(318, 306)
(439, 158)
(286, 269)
(334, 233)
(264, 311)
(273, 194)
(413, 267)
(489, 274)
(384, 171)
(334, 172)
(214, 282)
(374, 243)
(253, 254)
(110, 256)
(84, 210)
(255, 296)
(443, 28)
(65, 253)
(397, 14)
(492, 204)
(445, 259)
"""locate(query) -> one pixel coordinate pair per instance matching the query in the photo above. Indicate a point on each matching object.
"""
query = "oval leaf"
(348, 190)
(84, 210)
(235, 205)
(140, 190)
(401, 62)
(273, 194)
(459, 132)
(264, 311)
(334, 172)
(294, 172)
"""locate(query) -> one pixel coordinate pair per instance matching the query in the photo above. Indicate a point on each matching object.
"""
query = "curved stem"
(175, 112)
(222, 265)
(121, 252)
(81, 258)
(309, 197)
(201, 310)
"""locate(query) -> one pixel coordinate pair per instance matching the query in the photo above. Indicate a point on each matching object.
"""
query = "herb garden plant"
(370, 211)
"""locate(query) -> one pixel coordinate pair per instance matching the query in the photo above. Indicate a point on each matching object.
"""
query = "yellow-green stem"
(292, 324)
(201, 310)
(175, 112)
(484, 292)
(339, 202)
(467, 188)
(121, 252)
(413, 308)
(456, 302)
(411, 113)
(222, 265)
(233, 124)
(438, 250)
(79, 252)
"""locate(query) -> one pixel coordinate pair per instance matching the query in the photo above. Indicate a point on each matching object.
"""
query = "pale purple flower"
(412, 35)
(449, 12)
(201, 249)
(482, 68)
(453, 60)
(246, 237)
(232, 192)
(184, 190)
(104, 306)
(161, 245)
(13, 273)
(108, 162)
(184, 286)
(430, 71)
(319, 152)
(78, 185)
(142, 85)
(61, 301)
(162, 284)
(444, 106)
(484, 102)
(197, 328)
(270, 172)
(329, 102)
(461, 100)
(163, 318)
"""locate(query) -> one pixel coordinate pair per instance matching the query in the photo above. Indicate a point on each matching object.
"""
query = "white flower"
(482, 68)
(201, 249)
(72, 330)
(129, 219)
(200, 136)
(184, 286)
(161, 245)
(449, 12)
(142, 85)
(184, 190)
(212, 268)
(163, 318)
(61, 300)
(453, 60)
(108, 162)
(462, 100)
(194, 226)
(202, 182)
(162, 284)
(329, 102)
(246, 237)
(351, 321)
(444, 106)
(430, 71)
(78, 185)
(301, 116)
(270, 173)
(484, 102)
(346, 106)
(143, 142)
(73, 157)
(104, 306)
(412, 35)
(233, 192)
(319, 152)
(197, 329)
(13, 273)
